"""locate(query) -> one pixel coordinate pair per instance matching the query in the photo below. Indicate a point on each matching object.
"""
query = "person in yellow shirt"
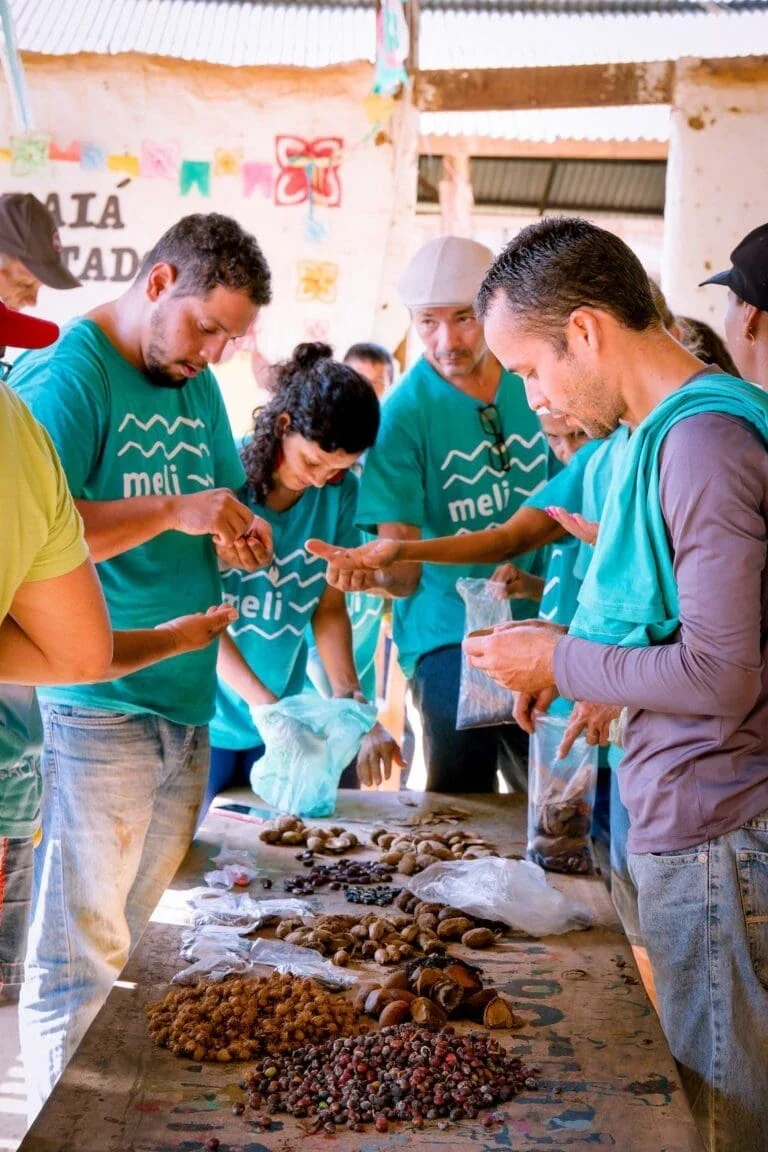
(54, 628)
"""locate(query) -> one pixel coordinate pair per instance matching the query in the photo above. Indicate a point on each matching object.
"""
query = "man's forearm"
(22, 661)
(528, 529)
(115, 526)
(333, 638)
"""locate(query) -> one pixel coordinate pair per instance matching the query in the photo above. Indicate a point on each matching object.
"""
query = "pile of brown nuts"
(412, 851)
(370, 937)
(398, 1074)
(429, 995)
(239, 1019)
(290, 831)
(448, 923)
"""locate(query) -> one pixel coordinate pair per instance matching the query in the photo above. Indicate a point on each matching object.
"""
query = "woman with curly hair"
(321, 417)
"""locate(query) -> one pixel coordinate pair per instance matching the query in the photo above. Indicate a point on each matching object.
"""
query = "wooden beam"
(567, 86)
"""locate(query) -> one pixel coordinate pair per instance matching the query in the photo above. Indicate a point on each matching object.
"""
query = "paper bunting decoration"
(317, 281)
(71, 153)
(29, 154)
(392, 45)
(125, 163)
(308, 170)
(93, 158)
(195, 174)
(378, 108)
(159, 159)
(227, 161)
(5, 154)
(258, 175)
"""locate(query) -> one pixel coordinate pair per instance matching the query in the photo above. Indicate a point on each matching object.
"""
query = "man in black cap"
(746, 319)
(30, 251)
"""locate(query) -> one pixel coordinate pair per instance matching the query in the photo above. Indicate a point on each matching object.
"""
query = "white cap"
(446, 272)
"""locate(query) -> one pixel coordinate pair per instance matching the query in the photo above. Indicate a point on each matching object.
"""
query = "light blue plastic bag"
(308, 743)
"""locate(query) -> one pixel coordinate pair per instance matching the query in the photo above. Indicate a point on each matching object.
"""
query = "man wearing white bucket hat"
(458, 450)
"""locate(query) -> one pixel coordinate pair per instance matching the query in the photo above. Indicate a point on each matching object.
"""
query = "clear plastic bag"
(220, 953)
(515, 892)
(242, 911)
(482, 702)
(561, 799)
(284, 957)
(309, 741)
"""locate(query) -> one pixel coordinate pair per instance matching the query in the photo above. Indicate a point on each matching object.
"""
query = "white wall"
(124, 102)
(717, 176)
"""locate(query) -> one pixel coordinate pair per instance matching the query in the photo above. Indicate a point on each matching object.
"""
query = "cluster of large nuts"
(369, 937)
(239, 1019)
(290, 831)
(412, 851)
(449, 924)
(429, 995)
(402, 1073)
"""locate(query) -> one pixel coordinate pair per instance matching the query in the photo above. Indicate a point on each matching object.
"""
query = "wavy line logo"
(206, 481)
(158, 446)
(470, 457)
(131, 418)
(487, 470)
(269, 635)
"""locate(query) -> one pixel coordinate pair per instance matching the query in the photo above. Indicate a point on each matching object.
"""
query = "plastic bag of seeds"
(284, 958)
(561, 799)
(309, 741)
(514, 892)
(482, 701)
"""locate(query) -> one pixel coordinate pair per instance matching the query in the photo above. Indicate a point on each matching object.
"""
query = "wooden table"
(607, 1078)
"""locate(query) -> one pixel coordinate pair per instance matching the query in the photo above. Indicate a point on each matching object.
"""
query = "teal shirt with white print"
(432, 467)
(566, 490)
(276, 605)
(120, 436)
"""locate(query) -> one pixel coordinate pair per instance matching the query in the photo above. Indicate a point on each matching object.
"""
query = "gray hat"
(446, 272)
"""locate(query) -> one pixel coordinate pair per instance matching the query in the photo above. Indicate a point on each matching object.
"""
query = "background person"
(30, 251)
(458, 449)
(375, 363)
(138, 421)
(746, 317)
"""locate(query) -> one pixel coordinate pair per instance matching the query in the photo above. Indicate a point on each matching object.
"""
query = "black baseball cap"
(748, 277)
(20, 331)
(28, 232)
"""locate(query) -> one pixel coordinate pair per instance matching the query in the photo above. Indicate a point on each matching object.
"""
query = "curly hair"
(209, 251)
(327, 402)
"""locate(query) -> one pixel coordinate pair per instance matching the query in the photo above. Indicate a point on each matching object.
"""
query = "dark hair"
(562, 263)
(328, 403)
(698, 338)
(209, 251)
(373, 353)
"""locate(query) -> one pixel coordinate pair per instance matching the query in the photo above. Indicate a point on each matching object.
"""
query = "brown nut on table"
(377, 1001)
(270, 836)
(395, 1013)
(423, 1011)
(455, 928)
(292, 837)
(448, 994)
(477, 1003)
(341, 958)
(426, 978)
(478, 938)
(498, 1014)
(396, 980)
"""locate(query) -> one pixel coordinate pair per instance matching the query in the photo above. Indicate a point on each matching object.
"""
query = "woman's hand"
(378, 752)
(576, 525)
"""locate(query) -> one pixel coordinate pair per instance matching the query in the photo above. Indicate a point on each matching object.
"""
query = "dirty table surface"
(606, 1077)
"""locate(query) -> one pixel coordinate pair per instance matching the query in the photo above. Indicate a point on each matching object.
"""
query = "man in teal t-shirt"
(458, 450)
(138, 421)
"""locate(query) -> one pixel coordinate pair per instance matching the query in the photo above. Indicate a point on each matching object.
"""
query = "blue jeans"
(466, 760)
(704, 921)
(15, 902)
(121, 794)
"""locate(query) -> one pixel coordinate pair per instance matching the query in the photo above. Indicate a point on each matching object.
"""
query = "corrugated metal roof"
(234, 32)
(641, 122)
(491, 38)
(454, 33)
(625, 186)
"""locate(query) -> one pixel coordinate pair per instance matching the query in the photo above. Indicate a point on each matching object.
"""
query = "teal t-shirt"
(277, 604)
(432, 467)
(120, 436)
(566, 490)
(21, 782)
(596, 482)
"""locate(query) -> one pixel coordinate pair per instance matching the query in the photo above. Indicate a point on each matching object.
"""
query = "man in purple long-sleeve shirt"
(568, 307)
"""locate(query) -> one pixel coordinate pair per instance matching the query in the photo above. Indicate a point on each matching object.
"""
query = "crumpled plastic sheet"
(219, 952)
(515, 892)
(241, 911)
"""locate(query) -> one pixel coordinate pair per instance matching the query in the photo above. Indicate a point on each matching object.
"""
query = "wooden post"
(456, 196)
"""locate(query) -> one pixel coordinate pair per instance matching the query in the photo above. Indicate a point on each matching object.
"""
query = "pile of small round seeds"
(238, 1019)
(399, 1073)
(381, 894)
(334, 875)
